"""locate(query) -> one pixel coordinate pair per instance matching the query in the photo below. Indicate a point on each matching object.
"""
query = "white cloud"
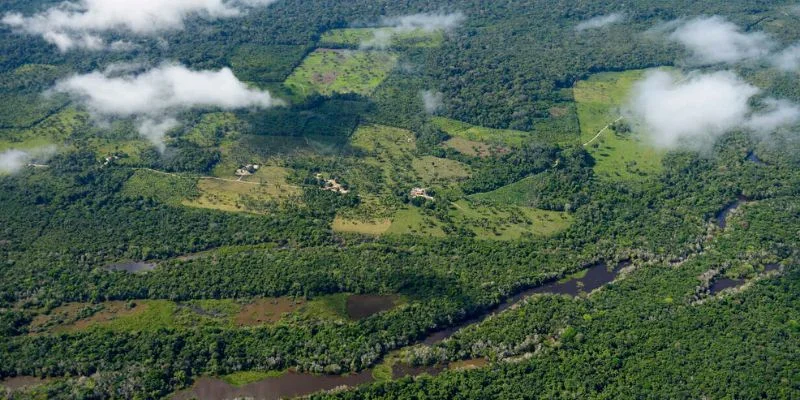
(714, 40)
(158, 94)
(13, 160)
(600, 21)
(425, 22)
(80, 23)
(695, 111)
(432, 100)
(776, 114)
(788, 59)
(156, 129)
(382, 38)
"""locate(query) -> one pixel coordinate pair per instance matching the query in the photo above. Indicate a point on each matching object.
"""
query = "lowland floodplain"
(373, 199)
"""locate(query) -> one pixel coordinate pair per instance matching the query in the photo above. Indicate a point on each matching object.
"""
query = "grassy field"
(411, 220)
(390, 149)
(327, 71)
(381, 38)
(439, 171)
(481, 134)
(268, 184)
(383, 139)
(599, 100)
(471, 147)
(29, 144)
(508, 223)
(486, 222)
(365, 227)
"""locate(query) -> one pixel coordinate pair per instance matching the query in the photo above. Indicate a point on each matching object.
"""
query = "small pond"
(360, 306)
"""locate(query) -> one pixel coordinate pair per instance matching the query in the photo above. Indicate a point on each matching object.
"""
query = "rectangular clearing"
(619, 156)
(329, 71)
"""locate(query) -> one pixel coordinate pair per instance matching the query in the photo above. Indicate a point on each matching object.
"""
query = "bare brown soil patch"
(21, 382)
(65, 318)
(266, 311)
(468, 364)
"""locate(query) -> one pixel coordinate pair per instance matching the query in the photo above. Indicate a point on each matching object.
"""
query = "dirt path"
(201, 177)
(603, 130)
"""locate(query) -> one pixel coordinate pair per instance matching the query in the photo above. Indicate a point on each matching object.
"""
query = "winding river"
(293, 384)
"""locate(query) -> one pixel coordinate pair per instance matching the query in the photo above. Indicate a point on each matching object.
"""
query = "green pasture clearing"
(129, 150)
(163, 187)
(508, 223)
(618, 157)
(28, 144)
(439, 171)
(390, 149)
(481, 134)
(328, 71)
(411, 220)
(382, 38)
(486, 222)
(365, 227)
(383, 139)
(267, 185)
(471, 147)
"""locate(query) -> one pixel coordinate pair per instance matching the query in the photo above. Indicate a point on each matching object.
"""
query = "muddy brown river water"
(290, 384)
(293, 384)
(595, 277)
(360, 306)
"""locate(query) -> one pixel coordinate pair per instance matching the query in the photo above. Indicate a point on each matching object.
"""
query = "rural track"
(603, 130)
(200, 177)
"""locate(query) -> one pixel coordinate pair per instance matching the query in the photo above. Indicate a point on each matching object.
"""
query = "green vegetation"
(381, 37)
(619, 155)
(411, 220)
(242, 378)
(481, 134)
(472, 148)
(433, 220)
(434, 170)
(165, 188)
(329, 71)
(368, 227)
(328, 307)
(508, 223)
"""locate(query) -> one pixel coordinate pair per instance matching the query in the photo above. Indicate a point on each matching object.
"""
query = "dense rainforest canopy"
(392, 193)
